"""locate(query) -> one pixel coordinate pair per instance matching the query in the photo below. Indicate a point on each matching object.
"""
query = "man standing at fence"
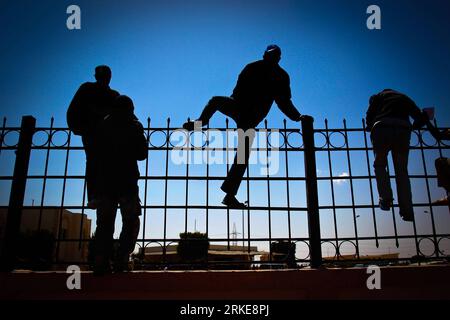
(121, 143)
(91, 103)
(259, 85)
(388, 121)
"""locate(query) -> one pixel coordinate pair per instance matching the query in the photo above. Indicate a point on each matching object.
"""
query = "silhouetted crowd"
(114, 141)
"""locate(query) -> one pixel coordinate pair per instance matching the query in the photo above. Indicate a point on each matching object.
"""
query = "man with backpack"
(121, 144)
(387, 120)
(91, 103)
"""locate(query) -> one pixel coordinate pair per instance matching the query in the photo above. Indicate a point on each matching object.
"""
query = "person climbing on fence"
(387, 120)
(259, 84)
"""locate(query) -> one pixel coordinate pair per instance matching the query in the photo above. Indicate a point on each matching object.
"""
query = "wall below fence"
(432, 282)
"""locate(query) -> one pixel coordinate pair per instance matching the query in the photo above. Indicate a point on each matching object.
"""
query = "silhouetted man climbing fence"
(259, 85)
(388, 121)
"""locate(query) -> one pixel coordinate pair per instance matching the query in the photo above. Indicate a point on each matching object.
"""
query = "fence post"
(17, 195)
(312, 198)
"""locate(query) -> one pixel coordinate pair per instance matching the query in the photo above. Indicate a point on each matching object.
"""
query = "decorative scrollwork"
(290, 141)
(59, 138)
(11, 138)
(156, 142)
(308, 247)
(334, 142)
(421, 248)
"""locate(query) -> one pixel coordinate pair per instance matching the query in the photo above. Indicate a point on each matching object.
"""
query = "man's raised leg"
(225, 105)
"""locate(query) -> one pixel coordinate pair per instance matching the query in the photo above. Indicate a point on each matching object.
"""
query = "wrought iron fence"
(322, 191)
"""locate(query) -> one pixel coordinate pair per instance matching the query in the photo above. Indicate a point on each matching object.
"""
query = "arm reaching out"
(284, 102)
(288, 108)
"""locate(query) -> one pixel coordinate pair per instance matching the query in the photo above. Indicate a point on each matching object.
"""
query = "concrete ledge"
(428, 282)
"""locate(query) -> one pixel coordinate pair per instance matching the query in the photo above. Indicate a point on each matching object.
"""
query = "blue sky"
(170, 57)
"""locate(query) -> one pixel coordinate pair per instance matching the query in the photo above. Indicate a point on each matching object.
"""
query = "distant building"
(71, 225)
(386, 256)
(216, 253)
(353, 259)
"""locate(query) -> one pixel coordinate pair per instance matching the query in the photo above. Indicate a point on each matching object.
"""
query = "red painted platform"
(423, 282)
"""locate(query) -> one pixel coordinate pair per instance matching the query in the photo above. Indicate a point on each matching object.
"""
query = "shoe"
(441, 202)
(192, 125)
(385, 205)
(189, 125)
(231, 202)
(407, 217)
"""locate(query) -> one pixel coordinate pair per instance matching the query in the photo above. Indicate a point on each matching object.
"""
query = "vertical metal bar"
(17, 195)
(269, 211)
(146, 187)
(207, 186)
(427, 183)
(80, 240)
(44, 182)
(370, 183)
(287, 180)
(61, 208)
(243, 230)
(228, 169)
(355, 224)
(248, 196)
(333, 198)
(165, 192)
(312, 198)
(188, 151)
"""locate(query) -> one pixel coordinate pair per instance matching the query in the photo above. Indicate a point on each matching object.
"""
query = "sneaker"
(192, 125)
(231, 202)
(189, 125)
(385, 205)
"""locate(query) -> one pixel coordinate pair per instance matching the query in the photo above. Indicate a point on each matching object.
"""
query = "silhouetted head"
(103, 75)
(272, 54)
(124, 104)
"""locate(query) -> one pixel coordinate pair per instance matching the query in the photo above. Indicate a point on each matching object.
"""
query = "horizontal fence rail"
(311, 187)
